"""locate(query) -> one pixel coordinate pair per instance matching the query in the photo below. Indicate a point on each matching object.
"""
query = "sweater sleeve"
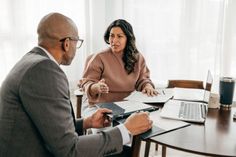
(144, 74)
(91, 75)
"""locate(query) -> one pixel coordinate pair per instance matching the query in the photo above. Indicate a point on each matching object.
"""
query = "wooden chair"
(79, 97)
(185, 84)
(181, 84)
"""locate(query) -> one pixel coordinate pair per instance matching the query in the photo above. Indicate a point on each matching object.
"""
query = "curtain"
(183, 39)
(180, 39)
(18, 31)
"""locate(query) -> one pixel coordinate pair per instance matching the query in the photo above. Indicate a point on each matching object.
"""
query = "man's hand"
(98, 120)
(138, 123)
(149, 90)
(100, 87)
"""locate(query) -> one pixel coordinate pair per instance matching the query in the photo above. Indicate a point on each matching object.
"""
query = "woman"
(111, 75)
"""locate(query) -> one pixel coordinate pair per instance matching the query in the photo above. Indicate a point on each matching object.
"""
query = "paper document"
(163, 96)
(166, 124)
(162, 125)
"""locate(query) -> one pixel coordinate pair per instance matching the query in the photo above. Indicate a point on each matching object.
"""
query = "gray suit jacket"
(36, 116)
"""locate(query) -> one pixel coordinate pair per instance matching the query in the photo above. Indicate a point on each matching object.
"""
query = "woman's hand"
(149, 90)
(100, 87)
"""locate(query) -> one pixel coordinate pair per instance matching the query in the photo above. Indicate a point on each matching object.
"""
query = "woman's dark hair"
(130, 51)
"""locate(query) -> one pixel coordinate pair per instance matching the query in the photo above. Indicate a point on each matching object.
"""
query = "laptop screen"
(193, 94)
(208, 86)
(209, 81)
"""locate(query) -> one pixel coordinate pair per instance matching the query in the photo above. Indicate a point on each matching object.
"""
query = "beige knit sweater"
(109, 66)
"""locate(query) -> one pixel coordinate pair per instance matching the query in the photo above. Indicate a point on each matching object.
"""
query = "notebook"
(192, 108)
(123, 109)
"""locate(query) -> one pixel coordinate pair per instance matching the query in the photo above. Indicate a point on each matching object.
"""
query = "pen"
(163, 92)
(154, 108)
(108, 115)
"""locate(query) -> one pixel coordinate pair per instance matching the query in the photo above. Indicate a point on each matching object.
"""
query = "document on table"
(162, 125)
(166, 124)
(163, 96)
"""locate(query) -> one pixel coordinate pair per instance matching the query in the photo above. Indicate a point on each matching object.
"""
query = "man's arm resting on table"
(135, 124)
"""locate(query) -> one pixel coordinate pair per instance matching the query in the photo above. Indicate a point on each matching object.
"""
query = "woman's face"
(117, 40)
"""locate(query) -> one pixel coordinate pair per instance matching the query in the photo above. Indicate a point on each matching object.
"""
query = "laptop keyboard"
(191, 111)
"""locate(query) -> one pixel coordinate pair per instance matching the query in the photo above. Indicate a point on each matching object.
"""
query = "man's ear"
(65, 45)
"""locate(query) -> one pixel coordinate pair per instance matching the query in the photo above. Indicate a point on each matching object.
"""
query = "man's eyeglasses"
(79, 41)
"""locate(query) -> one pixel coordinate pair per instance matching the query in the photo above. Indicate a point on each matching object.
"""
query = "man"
(36, 115)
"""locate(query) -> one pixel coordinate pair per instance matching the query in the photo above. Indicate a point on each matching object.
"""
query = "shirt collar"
(48, 54)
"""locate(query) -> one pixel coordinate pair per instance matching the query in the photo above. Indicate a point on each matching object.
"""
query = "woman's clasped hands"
(99, 87)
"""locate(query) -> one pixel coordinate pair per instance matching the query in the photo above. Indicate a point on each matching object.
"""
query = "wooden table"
(217, 137)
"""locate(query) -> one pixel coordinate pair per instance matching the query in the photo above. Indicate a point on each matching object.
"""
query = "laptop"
(123, 109)
(190, 110)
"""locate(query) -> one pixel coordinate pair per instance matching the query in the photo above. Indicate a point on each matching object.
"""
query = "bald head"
(55, 26)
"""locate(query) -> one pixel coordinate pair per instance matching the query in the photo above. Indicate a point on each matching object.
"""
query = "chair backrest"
(185, 84)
